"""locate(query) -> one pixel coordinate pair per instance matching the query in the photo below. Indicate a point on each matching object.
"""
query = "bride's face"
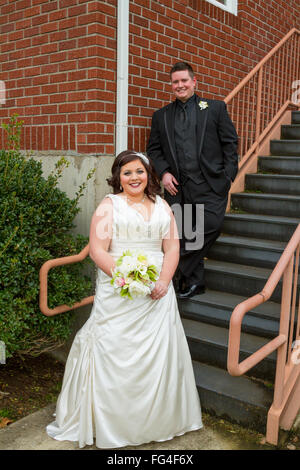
(133, 178)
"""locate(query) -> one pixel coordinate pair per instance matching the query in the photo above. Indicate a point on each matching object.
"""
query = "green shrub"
(35, 223)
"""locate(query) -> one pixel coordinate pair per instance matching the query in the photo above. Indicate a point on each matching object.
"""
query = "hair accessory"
(143, 157)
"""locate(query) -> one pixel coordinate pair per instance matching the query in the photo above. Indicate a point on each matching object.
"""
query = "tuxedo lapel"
(169, 120)
(202, 115)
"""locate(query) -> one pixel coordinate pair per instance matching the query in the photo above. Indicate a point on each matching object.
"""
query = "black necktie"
(183, 115)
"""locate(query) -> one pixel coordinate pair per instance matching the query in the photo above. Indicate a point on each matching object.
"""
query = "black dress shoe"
(190, 291)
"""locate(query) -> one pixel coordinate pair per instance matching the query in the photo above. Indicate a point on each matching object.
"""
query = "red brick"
(23, 44)
(33, 138)
(77, 10)
(58, 136)
(46, 145)
(58, 78)
(57, 36)
(27, 138)
(49, 27)
(52, 137)
(53, 5)
(68, 65)
(77, 32)
(50, 109)
(32, 11)
(65, 138)
(58, 98)
(35, 40)
(67, 23)
(100, 138)
(67, 108)
(72, 138)
(48, 69)
(67, 3)
(38, 20)
(76, 96)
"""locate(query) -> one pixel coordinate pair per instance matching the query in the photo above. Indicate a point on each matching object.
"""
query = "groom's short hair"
(179, 66)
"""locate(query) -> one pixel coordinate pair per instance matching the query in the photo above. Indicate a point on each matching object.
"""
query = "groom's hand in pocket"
(159, 291)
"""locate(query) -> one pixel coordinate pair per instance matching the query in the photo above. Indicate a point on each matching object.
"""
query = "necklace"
(135, 202)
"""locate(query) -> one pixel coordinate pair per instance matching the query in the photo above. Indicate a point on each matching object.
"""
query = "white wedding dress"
(129, 378)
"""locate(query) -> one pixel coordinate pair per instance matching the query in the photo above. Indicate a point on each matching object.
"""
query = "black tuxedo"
(216, 152)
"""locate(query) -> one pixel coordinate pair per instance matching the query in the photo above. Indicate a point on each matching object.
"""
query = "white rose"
(127, 259)
(142, 269)
(137, 289)
(128, 265)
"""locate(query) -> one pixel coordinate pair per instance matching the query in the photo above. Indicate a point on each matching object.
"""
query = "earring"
(121, 188)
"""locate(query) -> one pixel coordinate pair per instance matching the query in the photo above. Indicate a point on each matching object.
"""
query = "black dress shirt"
(185, 134)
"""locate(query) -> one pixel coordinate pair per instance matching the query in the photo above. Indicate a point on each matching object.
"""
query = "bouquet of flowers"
(134, 275)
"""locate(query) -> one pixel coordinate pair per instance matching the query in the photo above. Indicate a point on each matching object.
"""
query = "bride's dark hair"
(153, 187)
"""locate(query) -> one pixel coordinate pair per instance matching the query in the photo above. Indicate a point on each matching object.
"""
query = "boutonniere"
(203, 105)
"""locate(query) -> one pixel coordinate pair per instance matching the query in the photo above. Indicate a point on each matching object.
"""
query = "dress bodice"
(132, 231)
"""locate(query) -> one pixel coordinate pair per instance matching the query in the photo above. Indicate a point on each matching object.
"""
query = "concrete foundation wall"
(72, 177)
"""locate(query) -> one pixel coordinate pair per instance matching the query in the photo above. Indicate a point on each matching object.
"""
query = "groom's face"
(183, 85)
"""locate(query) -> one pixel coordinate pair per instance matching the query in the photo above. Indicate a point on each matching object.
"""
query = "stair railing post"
(258, 104)
(284, 330)
(298, 64)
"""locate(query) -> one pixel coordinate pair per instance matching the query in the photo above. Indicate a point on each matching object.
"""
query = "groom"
(193, 146)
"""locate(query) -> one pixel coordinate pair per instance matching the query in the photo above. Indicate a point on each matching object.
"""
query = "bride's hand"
(159, 291)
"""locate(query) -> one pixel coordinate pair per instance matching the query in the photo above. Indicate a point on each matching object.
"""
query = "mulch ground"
(27, 386)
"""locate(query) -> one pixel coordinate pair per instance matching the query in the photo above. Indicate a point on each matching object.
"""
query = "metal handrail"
(234, 367)
(52, 263)
(254, 105)
(260, 64)
(286, 402)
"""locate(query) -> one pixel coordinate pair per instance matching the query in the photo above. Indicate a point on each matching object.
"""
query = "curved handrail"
(254, 107)
(52, 263)
(233, 366)
(260, 64)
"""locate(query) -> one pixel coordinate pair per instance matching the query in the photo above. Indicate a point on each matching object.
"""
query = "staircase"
(255, 232)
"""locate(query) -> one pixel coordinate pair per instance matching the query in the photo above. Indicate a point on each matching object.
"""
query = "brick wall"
(58, 61)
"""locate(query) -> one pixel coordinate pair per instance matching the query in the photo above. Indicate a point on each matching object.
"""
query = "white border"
(231, 5)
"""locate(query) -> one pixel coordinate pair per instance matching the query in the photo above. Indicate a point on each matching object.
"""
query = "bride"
(129, 378)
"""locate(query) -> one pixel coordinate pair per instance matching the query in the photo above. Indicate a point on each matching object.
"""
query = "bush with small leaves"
(36, 222)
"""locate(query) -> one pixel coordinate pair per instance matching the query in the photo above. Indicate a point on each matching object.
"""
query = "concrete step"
(281, 165)
(273, 184)
(238, 278)
(260, 226)
(215, 308)
(239, 399)
(209, 344)
(295, 117)
(290, 131)
(248, 251)
(285, 147)
(268, 204)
